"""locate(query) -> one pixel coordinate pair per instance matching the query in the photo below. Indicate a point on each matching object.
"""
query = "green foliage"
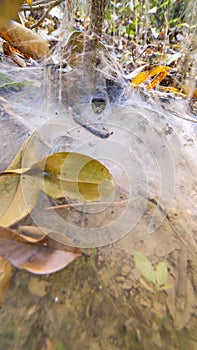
(156, 277)
(136, 15)
(7, 82)
(145, 267)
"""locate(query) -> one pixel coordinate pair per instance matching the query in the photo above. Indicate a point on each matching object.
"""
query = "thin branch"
(76, 205)
(41, 5)
(42, 17)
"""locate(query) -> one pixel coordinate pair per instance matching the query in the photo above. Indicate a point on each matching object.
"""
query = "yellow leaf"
(173, 90)
(75, 176)
(65, 174)
(161, 72)
(140, 78)
(18, 194)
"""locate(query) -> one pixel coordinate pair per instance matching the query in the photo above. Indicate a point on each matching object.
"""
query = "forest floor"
(101, 301)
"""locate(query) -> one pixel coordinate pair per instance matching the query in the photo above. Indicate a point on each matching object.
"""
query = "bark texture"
(92, 77)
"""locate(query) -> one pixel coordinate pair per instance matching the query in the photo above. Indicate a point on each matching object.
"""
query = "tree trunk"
(97, 16)
(91, 46)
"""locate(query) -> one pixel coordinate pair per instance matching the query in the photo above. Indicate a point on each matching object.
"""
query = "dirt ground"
(100, 302)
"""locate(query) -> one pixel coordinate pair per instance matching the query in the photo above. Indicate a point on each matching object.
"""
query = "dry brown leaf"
(5, 276)
(43, 257)
(24, 40)
(13, 55)
(55, 240)
(18, 52)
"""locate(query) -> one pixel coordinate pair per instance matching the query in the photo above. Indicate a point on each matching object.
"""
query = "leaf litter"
(66, 174)
(63, 174)
(40, 256)
(136, 298)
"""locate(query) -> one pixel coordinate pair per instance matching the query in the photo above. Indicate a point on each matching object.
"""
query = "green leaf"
(161, 274)
(145, 267)
(166, 3)
(5, 80)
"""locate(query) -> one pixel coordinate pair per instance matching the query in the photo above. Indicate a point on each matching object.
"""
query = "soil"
(100, 301)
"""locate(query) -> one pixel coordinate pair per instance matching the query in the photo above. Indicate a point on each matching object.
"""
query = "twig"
(42, 17)
(67, 206)
(40, 5)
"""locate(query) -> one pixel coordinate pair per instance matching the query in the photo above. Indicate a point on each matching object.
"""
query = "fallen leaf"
(157, 80)
(161, 72)
(66, 174)
(42, 257)
(5, 276)
(140, 78)
(173, 90)
(5, 80)
(76, 176)
(24, 40)
(13, 55)
(18, 194)
(35, 234)
(72, 175)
